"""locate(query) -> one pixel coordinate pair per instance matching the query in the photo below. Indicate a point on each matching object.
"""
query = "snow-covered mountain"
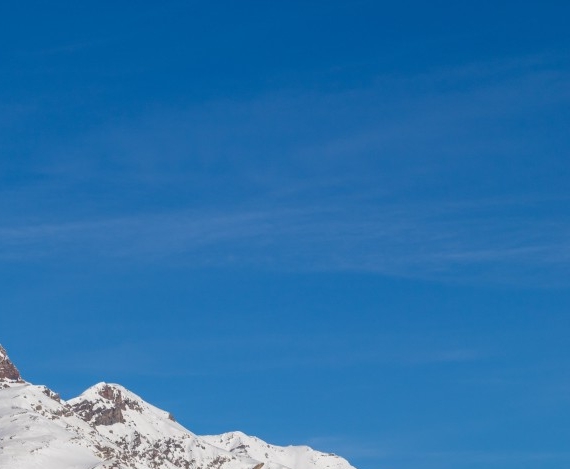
(109, 427)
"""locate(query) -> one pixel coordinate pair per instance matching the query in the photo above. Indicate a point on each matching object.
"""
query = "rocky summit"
(109, 427)
(8, 372)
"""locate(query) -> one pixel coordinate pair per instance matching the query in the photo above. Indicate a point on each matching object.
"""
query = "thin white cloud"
(310, 182)
(261, 353)
(415, 241)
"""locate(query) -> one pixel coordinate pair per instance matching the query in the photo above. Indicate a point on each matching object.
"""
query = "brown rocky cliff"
(8, 372)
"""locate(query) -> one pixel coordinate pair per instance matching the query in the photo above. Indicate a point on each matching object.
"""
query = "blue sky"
(342, 224)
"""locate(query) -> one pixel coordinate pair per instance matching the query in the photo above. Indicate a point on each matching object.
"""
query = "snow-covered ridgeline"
(109, 427)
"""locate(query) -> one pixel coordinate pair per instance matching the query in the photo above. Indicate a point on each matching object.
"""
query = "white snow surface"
(289, 456)
(36, 431)
(109, 427)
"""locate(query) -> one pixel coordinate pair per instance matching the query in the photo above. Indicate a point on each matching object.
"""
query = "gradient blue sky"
(343, 224)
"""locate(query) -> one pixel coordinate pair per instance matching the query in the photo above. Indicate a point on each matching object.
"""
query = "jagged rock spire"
(8, 372)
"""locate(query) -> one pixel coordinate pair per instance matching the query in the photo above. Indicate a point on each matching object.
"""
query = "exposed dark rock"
(217, 462)
(106, 416)
(109, 417)
(52, 395)
(111, 394)
(8, 372)
(116, 397)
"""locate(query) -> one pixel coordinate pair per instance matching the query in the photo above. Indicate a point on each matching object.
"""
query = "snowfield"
(109, 427)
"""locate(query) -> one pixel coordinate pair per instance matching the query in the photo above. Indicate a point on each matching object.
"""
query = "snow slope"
(38, 431)
(289, 456)
(109, 427)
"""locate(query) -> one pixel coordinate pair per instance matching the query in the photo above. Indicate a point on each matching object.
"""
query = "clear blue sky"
(343, 224)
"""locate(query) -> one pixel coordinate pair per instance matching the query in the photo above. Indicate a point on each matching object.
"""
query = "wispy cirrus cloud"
(422, 241)
(404, 177)
(256, 353)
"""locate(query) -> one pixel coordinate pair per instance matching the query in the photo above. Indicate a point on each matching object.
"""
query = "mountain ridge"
(110, 427)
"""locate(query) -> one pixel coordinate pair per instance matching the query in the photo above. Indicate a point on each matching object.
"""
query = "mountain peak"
(110, 427)
(8, 372)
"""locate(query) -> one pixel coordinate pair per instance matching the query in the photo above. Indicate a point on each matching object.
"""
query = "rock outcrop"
(8, 372)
